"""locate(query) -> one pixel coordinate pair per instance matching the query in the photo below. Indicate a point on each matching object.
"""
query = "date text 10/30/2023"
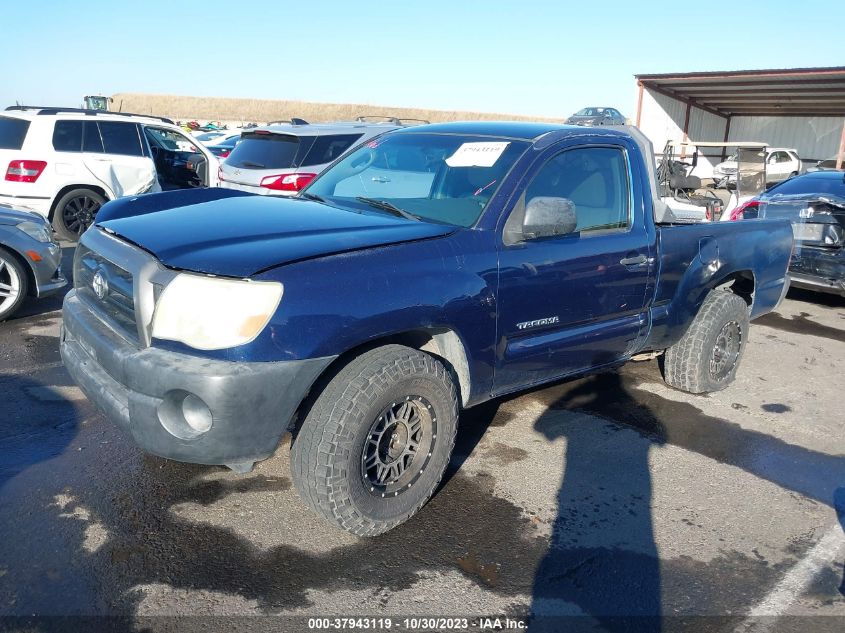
(416, 623)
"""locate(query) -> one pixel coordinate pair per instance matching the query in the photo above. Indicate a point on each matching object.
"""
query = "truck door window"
(595, 179)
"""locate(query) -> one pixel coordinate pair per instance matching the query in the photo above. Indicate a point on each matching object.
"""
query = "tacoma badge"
(529, 324)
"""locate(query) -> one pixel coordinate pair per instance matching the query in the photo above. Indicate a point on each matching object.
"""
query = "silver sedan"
(30, 259)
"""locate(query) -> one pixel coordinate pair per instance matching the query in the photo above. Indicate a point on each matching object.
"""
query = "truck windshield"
(438, 177)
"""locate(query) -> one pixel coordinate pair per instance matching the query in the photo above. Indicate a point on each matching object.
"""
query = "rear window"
(264, 151)
(12, 132)
(326, 148)
(121, 138)
(795, 186)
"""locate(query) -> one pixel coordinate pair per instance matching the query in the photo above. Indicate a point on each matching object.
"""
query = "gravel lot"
(612, 495)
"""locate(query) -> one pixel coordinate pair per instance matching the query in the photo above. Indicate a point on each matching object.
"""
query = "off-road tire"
(12, 270)
(87, 198)
(328, 450)
(687, 364)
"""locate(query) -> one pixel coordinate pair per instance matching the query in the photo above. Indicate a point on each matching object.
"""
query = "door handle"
(637, 260)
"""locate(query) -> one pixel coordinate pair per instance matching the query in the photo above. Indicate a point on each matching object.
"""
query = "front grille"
(106, 288)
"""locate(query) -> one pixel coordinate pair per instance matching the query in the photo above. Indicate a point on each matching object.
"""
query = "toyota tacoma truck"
(427, 271)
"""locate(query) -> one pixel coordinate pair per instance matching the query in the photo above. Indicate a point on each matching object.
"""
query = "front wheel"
(708, 354)
(75, 212)
(14, 284)
(377, 439)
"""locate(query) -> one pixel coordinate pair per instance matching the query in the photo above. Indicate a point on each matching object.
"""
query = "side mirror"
(695, 158)
(546, 216)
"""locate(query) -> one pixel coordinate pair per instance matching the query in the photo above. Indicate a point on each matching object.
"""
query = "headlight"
(210, 313)
(38, 232)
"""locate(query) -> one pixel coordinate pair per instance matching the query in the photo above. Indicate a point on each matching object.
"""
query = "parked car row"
(64, 164)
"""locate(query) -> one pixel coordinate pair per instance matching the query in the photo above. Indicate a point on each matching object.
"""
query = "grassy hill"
(263, 110)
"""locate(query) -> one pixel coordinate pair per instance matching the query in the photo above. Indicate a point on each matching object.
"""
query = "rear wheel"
(376, 441)
(75, 212)
(707, 356)
(14, 284)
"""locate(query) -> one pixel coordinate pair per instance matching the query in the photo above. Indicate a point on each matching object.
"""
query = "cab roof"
(504, 129)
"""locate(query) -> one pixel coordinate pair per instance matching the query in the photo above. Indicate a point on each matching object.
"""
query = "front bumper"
(819, 269)
(49, 277)
(44, 260)
(818, 284)
(142, 390)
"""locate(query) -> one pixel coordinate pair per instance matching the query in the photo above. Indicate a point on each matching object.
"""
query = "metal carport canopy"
(797, 92)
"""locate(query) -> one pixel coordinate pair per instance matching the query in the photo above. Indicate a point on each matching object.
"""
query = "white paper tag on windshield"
(477, 154)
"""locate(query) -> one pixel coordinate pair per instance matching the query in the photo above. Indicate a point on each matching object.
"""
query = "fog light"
(184, 415)
(196, 413)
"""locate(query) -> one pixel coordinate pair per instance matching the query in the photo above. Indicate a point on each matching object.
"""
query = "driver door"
(572, 302)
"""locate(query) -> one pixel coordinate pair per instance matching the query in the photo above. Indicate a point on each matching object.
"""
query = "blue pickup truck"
(425, 272)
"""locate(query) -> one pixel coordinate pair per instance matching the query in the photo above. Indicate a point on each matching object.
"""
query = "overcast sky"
(528, 57)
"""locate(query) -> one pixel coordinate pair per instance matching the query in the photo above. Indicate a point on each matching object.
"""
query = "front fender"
(336, 303)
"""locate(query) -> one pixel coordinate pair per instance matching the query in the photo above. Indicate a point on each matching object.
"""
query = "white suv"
(65, 163)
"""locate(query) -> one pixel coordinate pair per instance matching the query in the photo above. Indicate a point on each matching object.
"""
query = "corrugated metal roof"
(774, 92)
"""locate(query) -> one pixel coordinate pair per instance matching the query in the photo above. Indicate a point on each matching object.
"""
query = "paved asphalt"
(608, 496)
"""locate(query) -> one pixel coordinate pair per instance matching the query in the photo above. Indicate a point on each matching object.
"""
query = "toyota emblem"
(100, 285)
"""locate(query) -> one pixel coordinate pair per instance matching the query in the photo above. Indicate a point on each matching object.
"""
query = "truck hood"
(243, 235)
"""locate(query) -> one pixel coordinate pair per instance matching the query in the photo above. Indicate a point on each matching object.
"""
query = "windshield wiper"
(249, 163)
(388, 206)
(311, 196)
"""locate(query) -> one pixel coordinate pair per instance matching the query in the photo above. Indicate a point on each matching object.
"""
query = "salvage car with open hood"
(815, 206)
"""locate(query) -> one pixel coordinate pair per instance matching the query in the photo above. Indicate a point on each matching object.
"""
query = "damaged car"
(65, 163)
(815, 204)
(30, 259)
(427, 271)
